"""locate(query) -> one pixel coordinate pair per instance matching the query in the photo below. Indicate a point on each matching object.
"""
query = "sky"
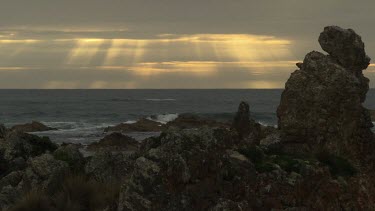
(128, 44)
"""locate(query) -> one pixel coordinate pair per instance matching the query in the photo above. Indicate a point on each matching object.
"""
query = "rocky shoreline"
(325, 163)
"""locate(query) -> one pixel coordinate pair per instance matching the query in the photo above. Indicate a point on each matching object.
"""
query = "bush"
(287, 163)
(34, 201)
(255, 154)
(77, 193)
(41, 145)
(338, 166)
(264, 167)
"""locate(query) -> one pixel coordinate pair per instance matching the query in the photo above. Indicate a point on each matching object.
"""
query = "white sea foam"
(156, 99)
(130, 122)
(164, 118)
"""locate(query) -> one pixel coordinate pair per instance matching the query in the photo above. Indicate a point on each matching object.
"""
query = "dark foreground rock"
(115, 142)
(208, 169)
(110, 167)
(321, 106)
(32, 127)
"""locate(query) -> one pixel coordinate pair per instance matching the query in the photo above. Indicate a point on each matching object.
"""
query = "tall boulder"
(247, 129)
(321, 106)
(241, 121)
(3, 131)
(345, 46)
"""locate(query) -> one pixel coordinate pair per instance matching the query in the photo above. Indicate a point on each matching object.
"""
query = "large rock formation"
(321, 106)
(187, 170)
(188, 121)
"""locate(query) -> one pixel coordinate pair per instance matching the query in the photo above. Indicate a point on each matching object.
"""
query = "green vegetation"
(41, 144)
(266, 160)
(33, 200)
(338, 166)
(76, 193)
(255, 154)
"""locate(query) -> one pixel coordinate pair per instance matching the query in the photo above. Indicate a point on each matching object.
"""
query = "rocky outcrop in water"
(115, 142)
(143, 125)
(31, 127)
(321, 106)
(188, 121)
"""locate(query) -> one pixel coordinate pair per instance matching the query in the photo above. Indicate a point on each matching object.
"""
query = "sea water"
(81, 115)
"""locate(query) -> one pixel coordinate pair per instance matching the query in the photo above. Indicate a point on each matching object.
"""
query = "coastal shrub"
(264, 167)
(81, 193)
(255, 154)
(76, 193)
(34, 200)
(287, 163)
(338, 166)
(41, 145)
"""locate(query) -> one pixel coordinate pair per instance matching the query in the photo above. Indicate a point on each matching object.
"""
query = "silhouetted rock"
(188, 121)
(321, 106)
(143, 125)
(372, 113)
(241, 121)
(32, 127)
(114, 142)
(3, 131)
(345, 46)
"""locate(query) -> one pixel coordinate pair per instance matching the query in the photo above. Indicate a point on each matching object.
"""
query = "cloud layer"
(166, 44)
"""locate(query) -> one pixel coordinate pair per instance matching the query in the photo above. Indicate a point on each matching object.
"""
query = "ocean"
(82, 115)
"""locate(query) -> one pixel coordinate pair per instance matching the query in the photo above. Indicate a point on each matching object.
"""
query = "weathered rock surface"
(206, 169)
(115, 142)
(321, 106)
(44, 172)
(17, 147)
(31, 127)
(71, 155)
(110, 167)
(186, 170)
(143, 125)
(345, 46)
